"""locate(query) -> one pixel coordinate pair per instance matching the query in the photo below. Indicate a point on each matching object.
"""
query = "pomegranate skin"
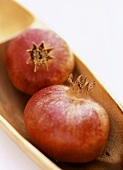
(66, 128)
(22, 74)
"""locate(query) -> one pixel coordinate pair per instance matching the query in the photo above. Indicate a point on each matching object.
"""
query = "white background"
(94, 30)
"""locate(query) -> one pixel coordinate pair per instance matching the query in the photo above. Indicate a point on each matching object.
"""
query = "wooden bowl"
(12, 103)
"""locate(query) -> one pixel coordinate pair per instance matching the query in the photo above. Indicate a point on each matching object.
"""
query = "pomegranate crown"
(81, 83)
(39, 55)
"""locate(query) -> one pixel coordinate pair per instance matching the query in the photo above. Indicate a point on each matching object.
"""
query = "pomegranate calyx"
(81, 84)
(39, 55)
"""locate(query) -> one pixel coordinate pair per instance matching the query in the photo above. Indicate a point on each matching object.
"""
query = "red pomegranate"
(38, 58)
(66, 124)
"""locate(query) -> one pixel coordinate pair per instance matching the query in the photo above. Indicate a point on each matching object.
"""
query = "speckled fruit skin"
(66, 128)
(23, 76)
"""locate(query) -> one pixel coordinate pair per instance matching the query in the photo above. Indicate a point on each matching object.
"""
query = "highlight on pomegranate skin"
(65, 123)
(38, 58)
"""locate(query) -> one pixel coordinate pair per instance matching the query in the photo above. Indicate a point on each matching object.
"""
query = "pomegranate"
(65, 123)
(38, 58)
